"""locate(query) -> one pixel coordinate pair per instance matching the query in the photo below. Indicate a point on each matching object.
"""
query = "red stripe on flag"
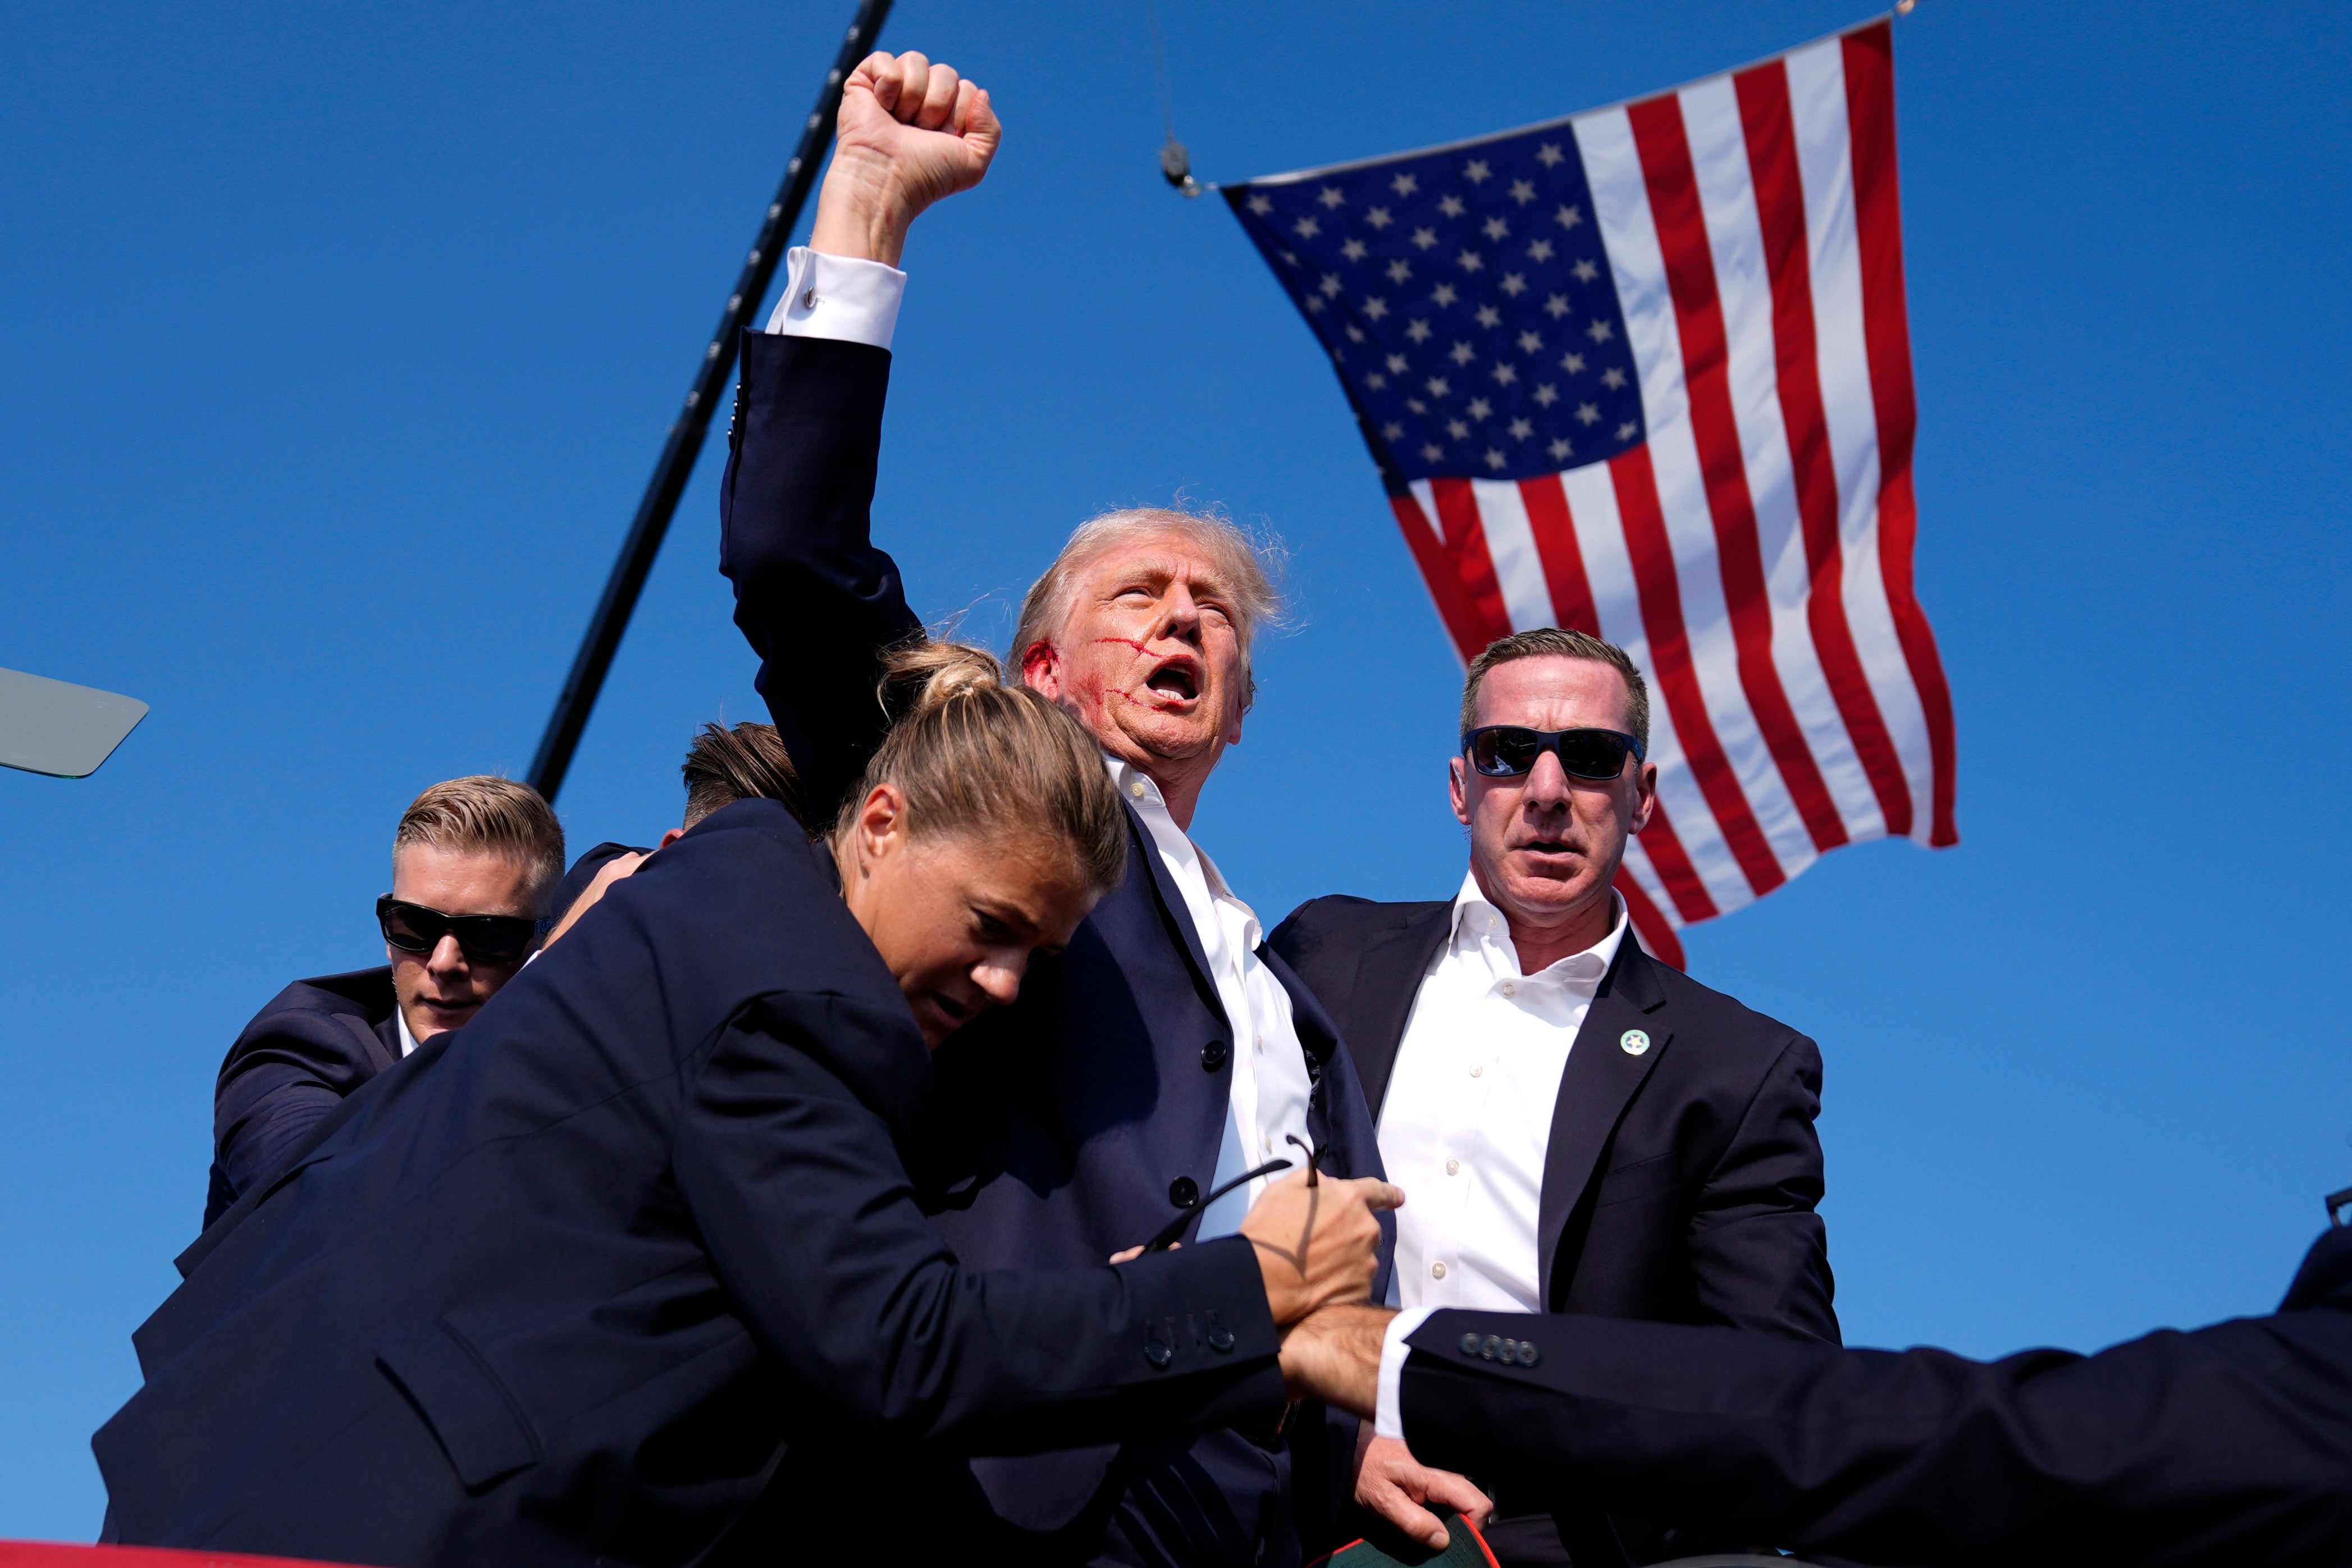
(1869, 54)
(1660, 591)
(1665, 148)
(1474, 567)
(1657, 937)
(1563, 559)
(1772, 139)
(1462, 622)
(1673, 863)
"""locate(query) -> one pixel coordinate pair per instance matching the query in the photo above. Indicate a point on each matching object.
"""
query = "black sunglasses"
(483, 939)
(1507, 750)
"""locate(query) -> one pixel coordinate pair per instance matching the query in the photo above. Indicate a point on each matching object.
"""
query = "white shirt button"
(1135, 789)
(1453, 1168)
(1479, 1072)
(1510, 989)
(1437, 1270)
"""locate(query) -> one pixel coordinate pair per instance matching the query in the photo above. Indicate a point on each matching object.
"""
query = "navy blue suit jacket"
(1081, 1119)
(2229, 1446)
(1679, 1184)
(314, 1044)
(557, 1294)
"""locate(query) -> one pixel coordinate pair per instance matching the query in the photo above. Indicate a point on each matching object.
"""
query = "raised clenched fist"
(911, 132)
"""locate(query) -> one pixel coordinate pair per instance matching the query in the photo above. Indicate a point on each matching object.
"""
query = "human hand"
(1335, 1356)
(611, 872)
(910, 133)
(1318, 1242)
(1129, 1254)
(1393, 1484)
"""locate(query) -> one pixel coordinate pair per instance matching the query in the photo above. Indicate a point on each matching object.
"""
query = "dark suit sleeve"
(1759, 1251)
(812, 1223)
(813, 595)
(2229, 1445)
(284, 1072)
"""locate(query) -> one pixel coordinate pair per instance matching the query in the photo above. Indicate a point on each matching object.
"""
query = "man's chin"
(1169, 736)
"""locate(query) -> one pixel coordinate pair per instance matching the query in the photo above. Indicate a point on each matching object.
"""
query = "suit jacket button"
(1470, 1344)
(1221, 1339)
(1157, 1352)
(1184, 1192)
(1213, 1055)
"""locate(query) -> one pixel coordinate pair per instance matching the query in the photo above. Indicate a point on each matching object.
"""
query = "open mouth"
(1174, 682)
(954, 1012)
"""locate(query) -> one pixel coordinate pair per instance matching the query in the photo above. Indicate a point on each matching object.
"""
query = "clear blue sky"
(339, 342)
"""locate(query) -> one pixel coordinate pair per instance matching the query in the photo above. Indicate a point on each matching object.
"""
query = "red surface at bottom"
(50, 1554)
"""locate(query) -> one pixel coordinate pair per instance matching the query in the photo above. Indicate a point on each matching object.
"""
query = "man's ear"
(1041, 669)
(670, 838)
(1457, 786)
(1645, 797)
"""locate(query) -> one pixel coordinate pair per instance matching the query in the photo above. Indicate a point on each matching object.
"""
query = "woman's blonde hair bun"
(972, 755)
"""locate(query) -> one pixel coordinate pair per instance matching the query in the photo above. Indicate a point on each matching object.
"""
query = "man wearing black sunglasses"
(1580, 1127)
(471, 861)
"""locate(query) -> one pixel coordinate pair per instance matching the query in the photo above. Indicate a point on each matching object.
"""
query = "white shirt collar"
(1140, 790)
(408, 1040)
(1477, 922)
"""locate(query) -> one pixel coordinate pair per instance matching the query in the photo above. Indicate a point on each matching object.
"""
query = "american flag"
(1645, 371)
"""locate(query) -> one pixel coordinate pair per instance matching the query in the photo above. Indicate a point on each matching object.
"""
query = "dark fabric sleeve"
(1759, 1251)
(583, 872)
(812, 1226)
(286, 1071)
(814, 598)
(2229, 1444)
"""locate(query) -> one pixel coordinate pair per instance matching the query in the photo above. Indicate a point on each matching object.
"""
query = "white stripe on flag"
(1601, 536)
(1825, 159)
(1621, 204)
(1718, 143)
(1511, 543)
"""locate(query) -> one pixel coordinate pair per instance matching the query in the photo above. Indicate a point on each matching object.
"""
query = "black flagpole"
(685, 442)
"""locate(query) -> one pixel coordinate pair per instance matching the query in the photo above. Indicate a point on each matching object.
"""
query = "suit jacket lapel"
(1175, 911)
(1387, 978)
(1600, 1081)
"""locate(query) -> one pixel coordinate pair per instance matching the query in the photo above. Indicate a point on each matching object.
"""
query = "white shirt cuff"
(839, 296)
(1388, 1418)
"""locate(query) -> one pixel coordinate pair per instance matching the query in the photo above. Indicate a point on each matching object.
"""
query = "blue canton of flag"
(1466, 300)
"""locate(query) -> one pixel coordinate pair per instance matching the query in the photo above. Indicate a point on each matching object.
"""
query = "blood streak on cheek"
(1127, 642)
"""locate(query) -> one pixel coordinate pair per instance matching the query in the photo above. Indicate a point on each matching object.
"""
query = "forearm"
(812, 1226)
(1919, 1455)
(814, 598)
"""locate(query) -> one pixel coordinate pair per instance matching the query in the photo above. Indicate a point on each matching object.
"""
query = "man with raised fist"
(1167, 1052)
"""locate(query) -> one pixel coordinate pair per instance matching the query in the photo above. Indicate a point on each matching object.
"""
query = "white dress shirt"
(1466, 1120)
(408, 1040)
(1270, 1086)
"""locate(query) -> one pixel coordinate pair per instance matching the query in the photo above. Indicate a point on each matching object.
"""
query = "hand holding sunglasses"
(1509, 750)
(488, 939)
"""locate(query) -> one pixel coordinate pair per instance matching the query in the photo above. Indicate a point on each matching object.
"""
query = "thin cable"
(1160, 61)
(1175, 163)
